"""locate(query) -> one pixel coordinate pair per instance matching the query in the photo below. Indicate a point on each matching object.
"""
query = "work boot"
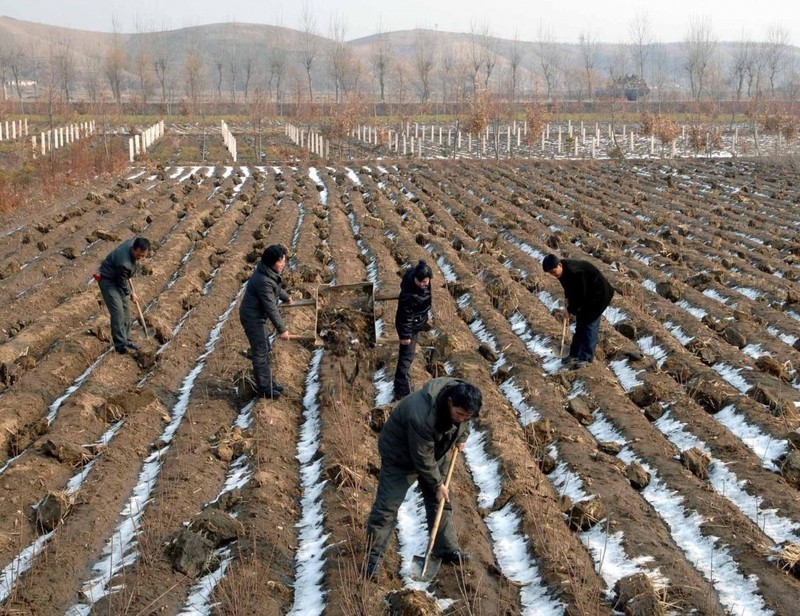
(454, 557)
(121, 350)
(132, 346)
(278, 386)
(272, 394)
(569, 359)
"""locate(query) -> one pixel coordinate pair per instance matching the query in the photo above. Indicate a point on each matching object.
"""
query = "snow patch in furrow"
(309, 595)
(732, 376)
(678, 333)
(323, 194)
(737, 592)
(697, 313)
(352, 175)
(626, 375)
(119, 551)
(538, 345)
(766, 447)
(650, 347)
(727, 484)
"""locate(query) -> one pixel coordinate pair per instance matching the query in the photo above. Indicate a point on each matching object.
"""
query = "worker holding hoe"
(114, 276)
(588, 294)
(413, 446)
(259, 304)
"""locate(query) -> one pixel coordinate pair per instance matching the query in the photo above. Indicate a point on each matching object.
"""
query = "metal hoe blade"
(425, 569)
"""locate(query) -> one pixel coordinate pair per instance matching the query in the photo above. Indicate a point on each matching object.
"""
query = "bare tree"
(219, 67)
(380, 57)
(17, 61)
(309, 51)
(193, 66)
(248, 67)
(143, 60)
(277, 69)
(589, 51)
(340, 54)
(446, 65)
(641, 42)
(162, 63)
(549, 58)
(232, 61)
(423, 59)
(114, 67)
(740, 61)
(699, 47)
(515, 59)
(775, 52)
(489, 44)
(65, 66)
(94, 64)
(476, 51)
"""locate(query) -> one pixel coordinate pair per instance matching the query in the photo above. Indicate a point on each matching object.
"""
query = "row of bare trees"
(433, 69)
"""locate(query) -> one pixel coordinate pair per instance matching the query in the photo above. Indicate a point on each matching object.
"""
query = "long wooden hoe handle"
(439, 511)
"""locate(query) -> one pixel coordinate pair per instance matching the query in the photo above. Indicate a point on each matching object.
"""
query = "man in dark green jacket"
(260, 303)
(414, 444)
(113, 278)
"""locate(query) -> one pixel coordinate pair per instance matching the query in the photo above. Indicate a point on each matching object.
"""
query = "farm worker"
(413, 446)
(413, 308)
(588, 294)
(113, 278)
(260, 302)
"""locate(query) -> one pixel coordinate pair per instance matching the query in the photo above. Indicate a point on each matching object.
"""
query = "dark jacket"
(119, 266)
(587, 291)
(412, 307)
(260, 301)
(419, 433)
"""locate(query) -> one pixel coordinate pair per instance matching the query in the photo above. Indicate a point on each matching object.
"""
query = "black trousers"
(256, 332)
(118, 304)
(405, 357)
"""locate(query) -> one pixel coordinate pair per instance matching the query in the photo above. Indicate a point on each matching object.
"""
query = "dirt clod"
(697, 462)
(412, 603)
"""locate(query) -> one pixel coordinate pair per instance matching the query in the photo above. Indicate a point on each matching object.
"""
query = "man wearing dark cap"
(260, 302)
(413, 445)
(113, 278)
(588, 294)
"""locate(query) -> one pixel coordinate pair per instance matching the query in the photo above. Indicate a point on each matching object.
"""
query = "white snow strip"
(650, 347)
(485, 470)
(625, 374)
(447, 270)
(615, 315)
(754, 350)
(136, 175)
(199, 601)
(309, 595)
(227, 173)
(713, 294)
(178, 171)
(613, 563)
(766, 447)
(678, 333)
(516, 398)
(565, 481)
(537, 345)
(20, 565)
(650, 285)
(787, 338)
(314, 175)
(697, 313)
(353, 177)
(753, 294)
(119, 552)
(550, 301)
(737, 593)
(732, 376)
(726, 483)
(384, 387)
(512, 552)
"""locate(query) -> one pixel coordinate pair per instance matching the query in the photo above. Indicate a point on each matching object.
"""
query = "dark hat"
(550, 262)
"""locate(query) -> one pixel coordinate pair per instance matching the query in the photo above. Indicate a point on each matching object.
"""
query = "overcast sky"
(608, 20)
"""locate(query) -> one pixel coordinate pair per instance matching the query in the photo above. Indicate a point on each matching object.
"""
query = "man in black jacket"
(113, 278)
(414, 444)
(588, 294)
(413, 307)
(260, 302)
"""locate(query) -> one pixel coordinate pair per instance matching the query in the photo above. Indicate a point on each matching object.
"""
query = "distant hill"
(234, 50)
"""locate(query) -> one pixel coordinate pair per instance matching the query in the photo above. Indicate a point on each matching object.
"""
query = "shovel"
(424, 569)
(563, 336)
